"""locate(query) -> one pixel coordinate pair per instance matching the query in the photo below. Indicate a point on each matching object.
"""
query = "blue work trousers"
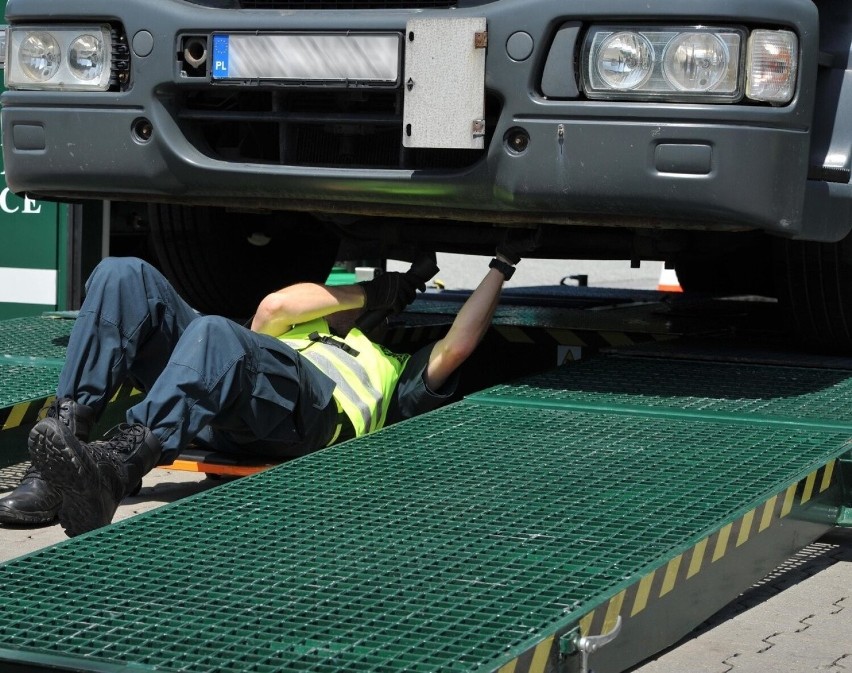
(206, 378)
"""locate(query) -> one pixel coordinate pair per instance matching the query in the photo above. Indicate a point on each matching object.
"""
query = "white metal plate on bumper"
(444, 82)
(343, 57)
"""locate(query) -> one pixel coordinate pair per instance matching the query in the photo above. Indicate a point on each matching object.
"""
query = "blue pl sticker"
(220, 56)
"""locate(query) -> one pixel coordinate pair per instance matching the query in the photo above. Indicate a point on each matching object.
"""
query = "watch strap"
(506, 269)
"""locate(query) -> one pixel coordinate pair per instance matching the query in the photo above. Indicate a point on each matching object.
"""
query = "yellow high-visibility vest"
(365, 374)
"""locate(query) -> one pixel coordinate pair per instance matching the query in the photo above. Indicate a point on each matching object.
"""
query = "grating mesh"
(35, 337)
(31, 354)
(20, 383)
(785, 394)
(441, 543)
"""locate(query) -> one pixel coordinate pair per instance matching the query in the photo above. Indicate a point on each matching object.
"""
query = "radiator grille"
(295, 127)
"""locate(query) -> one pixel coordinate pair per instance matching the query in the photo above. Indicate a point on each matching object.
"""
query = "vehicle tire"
(225, 262)
(746, 271)
(815, 292)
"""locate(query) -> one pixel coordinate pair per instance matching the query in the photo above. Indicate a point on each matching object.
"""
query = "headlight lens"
(696, 62)
(688, 64)
(772, 64)
(86, 57)
(625, 60)
(39, 56)
(73, 58)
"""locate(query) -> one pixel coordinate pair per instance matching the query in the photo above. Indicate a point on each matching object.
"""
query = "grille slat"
(296, 117)
(354, 128)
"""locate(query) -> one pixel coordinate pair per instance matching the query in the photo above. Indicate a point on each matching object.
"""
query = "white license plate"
(352, 57)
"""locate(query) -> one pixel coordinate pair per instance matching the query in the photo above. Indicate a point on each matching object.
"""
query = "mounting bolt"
(478, 128)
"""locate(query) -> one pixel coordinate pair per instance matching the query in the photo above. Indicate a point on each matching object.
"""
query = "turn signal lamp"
(772, 64)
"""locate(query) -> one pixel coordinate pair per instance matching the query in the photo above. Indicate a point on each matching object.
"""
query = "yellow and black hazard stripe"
(592, 339)
(663, 580)
(27, 413)
(529, 335)
(533, 660)
(125, 392)
(24, 413)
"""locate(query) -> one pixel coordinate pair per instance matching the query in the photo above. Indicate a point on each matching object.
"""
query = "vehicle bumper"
(666, 165)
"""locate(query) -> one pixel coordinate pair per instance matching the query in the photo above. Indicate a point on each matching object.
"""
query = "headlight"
(625, 60)
(699, 64)
(38, 56)
(86, 57)
(772, 63)
(73, 58)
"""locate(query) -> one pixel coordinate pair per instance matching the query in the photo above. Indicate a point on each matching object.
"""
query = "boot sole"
(70, 473)
(11, 517)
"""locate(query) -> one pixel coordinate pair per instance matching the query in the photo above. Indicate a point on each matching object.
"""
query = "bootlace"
(60, 408)
(123, 439)
(74, 416)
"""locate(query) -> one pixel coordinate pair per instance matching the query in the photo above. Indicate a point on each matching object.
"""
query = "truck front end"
(510, 111)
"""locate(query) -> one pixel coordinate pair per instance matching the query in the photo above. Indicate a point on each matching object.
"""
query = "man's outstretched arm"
(467, 330)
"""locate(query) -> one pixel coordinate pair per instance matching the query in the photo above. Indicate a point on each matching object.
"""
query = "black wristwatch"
(506, 269)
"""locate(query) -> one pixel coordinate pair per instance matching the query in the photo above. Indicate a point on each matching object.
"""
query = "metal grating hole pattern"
(21, 383)
(779, 393)
(40, 337)
(441, 543)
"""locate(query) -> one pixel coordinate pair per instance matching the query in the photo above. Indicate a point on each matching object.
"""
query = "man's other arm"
(279, 311)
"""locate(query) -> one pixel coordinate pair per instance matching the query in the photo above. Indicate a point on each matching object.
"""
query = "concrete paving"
(798, 619)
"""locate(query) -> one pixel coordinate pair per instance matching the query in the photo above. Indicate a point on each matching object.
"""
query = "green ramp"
(486, 536)
(32, 351)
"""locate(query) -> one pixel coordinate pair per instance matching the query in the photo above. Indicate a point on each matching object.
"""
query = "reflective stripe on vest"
(357, 389)
(364, 381)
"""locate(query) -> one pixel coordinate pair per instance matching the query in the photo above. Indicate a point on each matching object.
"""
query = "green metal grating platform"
(32, 351)
(485, 536)
(741, 391)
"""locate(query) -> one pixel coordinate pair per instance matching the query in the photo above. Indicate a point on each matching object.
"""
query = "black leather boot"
(91, 477)
(34, 501)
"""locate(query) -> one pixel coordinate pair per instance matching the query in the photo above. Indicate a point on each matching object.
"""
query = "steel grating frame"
(820, 397)
(442, 543)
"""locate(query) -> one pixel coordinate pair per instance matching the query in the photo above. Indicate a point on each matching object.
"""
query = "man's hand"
(516, 244)
(392, 291)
